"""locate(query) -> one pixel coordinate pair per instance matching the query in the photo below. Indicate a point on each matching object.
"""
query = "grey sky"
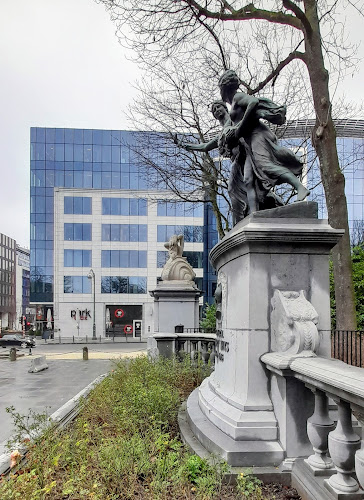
(62, 66)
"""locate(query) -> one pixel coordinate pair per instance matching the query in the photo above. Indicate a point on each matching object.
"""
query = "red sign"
(128, 329)
(119, 313)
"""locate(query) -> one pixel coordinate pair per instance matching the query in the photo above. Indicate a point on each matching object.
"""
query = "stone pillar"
(175, 303)
(279, 252)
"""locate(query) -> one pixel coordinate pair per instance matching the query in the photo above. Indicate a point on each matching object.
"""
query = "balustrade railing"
(198, 345)
(337, 450)
(348, 346)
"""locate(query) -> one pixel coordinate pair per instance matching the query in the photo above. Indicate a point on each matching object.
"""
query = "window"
(77, 204)
(124, 284)
(77, 232)
(124, 206)
(77, 258)
(175, 208)
(76, 284)
(195, 259)
(124, 258)
(191, 233)
(124, 232)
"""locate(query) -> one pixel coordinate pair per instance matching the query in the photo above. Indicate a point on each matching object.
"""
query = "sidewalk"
(92, 355)
(44, 391)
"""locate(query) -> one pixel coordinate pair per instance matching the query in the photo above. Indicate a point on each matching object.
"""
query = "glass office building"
(97, 161)
(92, 208)
(70, 158)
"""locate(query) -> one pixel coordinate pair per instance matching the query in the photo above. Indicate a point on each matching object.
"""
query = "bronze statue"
(265, 159)
(258, 162)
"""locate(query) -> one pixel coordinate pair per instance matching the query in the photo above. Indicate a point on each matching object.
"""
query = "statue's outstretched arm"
(203, 146)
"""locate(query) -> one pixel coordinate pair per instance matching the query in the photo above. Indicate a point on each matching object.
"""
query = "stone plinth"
(176, 302)
(285, 249)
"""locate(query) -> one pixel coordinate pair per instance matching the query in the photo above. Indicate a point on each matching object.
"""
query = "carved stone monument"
(176, 297)
(272, 295)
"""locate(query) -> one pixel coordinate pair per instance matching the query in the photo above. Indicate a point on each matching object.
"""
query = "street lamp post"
(91, 276)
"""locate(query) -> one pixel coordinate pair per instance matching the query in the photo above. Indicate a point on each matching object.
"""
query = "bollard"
(85, 353)
(12, 354)
(30, 351)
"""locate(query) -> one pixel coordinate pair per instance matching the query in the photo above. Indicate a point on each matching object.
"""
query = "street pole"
(91, 275)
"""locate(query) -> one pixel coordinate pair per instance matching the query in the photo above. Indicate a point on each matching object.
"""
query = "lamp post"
(91, 276)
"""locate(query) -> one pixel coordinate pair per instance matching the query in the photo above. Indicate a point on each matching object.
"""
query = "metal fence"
(348, 346)
(199, 330)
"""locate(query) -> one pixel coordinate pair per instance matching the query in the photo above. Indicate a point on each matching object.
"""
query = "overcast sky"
(62, 66)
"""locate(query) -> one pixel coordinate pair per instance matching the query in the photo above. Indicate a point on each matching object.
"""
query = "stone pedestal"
(176, 303)
(285, 249)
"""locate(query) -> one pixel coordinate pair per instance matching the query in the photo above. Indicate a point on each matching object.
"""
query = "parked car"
(16, 340)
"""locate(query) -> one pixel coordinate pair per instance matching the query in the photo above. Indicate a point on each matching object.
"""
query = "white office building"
(108, 254)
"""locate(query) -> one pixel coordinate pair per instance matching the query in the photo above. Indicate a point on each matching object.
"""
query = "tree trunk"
(324, 142)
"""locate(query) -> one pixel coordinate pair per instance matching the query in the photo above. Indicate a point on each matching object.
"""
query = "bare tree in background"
(172, 108)
(357, 233)
(302, 33)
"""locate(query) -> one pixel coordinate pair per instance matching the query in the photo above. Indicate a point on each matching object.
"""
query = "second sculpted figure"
(258, 162)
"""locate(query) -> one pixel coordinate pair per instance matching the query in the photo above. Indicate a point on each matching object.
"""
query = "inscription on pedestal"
(221, 347)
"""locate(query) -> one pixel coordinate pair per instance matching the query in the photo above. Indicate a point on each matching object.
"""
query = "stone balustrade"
(196, 345)
(337, 452)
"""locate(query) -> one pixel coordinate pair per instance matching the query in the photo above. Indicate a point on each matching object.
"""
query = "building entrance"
(124, 321)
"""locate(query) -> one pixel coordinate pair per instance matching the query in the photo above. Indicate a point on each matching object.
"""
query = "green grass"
(124, 444)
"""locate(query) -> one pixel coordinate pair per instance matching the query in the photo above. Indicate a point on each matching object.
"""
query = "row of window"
(124, 232)
(109, 284)
(77, 258)
(174, 208)
(73, 178)
(124, 258)
(124, 206)
(86, 153)
(75, 231)
(192, 234)
(7, 301)
(77, 205)
(131, 206)
(79, 136)
(110, 206)
(195, 259)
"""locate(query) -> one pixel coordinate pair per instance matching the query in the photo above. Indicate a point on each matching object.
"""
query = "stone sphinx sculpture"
(177, 268)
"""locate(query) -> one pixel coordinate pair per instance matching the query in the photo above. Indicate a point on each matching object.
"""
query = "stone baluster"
(180, 349)
(194, 350)
(319, 425)
(343, 443)
(212, 353)
(205, 351)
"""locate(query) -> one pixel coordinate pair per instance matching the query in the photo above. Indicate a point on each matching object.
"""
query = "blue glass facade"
(75, 158)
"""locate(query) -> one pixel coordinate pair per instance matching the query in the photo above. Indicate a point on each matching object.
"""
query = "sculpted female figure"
(265, 159)
(229, 146)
